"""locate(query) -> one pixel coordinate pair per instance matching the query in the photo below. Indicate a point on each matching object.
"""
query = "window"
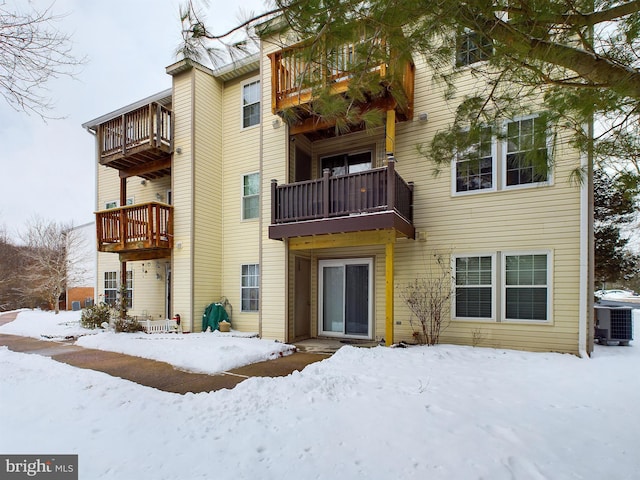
(129, 290)
(526, 152)
(526, 289)
(475, 162)
(347, 163)
(110, 287)
(472, 47)
(250, 286)
(251, 104)
(116, 203)
(250, 196)
(473, 287)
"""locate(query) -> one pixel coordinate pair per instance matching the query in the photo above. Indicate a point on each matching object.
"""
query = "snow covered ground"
(445, 412)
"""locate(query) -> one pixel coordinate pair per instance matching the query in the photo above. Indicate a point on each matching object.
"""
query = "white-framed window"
(251, 103)
(474, 280)
(508, 286)
(116, 203)
(250, 196)
(472, 47)
(110, 287)
(525, 151)
(250, 287)
(129, 290)
(474, 163)
(526, 290)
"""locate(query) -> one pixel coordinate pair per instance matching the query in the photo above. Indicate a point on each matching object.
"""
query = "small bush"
(127, 325)
(95, 315)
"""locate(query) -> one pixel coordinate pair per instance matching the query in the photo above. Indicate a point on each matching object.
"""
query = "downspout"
(262, 194)
(95, 180)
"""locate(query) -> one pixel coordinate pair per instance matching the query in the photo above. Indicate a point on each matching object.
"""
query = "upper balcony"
(138, 142)
(295, 78)
(377, 199)
(136, 232)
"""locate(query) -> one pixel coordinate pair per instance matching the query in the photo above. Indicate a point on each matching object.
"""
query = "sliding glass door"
(346, 294)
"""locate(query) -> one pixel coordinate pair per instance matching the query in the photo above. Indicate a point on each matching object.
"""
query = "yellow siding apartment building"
(204, 193)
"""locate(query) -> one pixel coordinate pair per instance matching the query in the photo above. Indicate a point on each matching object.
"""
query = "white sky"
(47, 169)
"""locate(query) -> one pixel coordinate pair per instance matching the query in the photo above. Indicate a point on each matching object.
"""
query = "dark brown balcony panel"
(143, 231)
(139, 142)
(372, 200)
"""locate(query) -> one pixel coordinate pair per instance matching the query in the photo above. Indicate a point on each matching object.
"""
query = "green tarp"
(213, 315)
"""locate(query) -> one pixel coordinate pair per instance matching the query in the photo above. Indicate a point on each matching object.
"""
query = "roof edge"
(163, 97)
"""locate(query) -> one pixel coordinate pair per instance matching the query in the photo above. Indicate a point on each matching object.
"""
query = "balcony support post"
(390, 132)
(122, 289)
(325, 192)
(389, 293)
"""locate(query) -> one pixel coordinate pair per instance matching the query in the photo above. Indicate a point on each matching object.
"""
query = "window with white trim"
(116, 203)
(250, 196)
(474, 287)
(110, 287)
(250, 287)
(129, 289)
(526, 286)
(251, 104)
(526, 152)
(472, 47)
(474, 162)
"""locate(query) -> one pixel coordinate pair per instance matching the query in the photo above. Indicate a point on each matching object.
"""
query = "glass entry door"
(346, 293)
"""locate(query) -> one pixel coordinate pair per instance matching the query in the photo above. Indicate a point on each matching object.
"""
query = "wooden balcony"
(136, 232)
(139, 142)
(376, 199)
(295, 78)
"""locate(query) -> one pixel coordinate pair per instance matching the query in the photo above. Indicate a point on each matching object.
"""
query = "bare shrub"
(428, 297)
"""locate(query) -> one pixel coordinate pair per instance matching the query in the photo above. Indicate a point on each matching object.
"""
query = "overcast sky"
(48, 169)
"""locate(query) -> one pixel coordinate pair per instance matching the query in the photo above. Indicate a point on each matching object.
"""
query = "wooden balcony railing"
(140, 141)
(148, 125)
(293, 75)
(143, 227)
(376, 191)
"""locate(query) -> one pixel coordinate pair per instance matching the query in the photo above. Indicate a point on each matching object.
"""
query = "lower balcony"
(136, 232)
(377, 199)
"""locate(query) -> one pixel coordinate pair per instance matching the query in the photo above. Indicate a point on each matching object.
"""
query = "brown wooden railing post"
(391, 183)
(410, 201)
(123, 135)
(325, 192)
(123, 213)
(151, 226)
(274, 201)
(151, 125)
(159, 129)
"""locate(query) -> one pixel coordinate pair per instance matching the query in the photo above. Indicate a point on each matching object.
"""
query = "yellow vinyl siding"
(241, 156)
(182, 186)
(535, 218)
(273, 260)
(207, 194)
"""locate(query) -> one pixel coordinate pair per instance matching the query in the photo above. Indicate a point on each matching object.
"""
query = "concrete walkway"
(151, 373)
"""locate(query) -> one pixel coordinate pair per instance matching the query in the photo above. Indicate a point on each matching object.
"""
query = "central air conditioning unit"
(613, 324)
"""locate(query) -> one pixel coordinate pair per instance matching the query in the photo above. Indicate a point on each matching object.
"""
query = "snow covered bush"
(127, 324)
(95, 315)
